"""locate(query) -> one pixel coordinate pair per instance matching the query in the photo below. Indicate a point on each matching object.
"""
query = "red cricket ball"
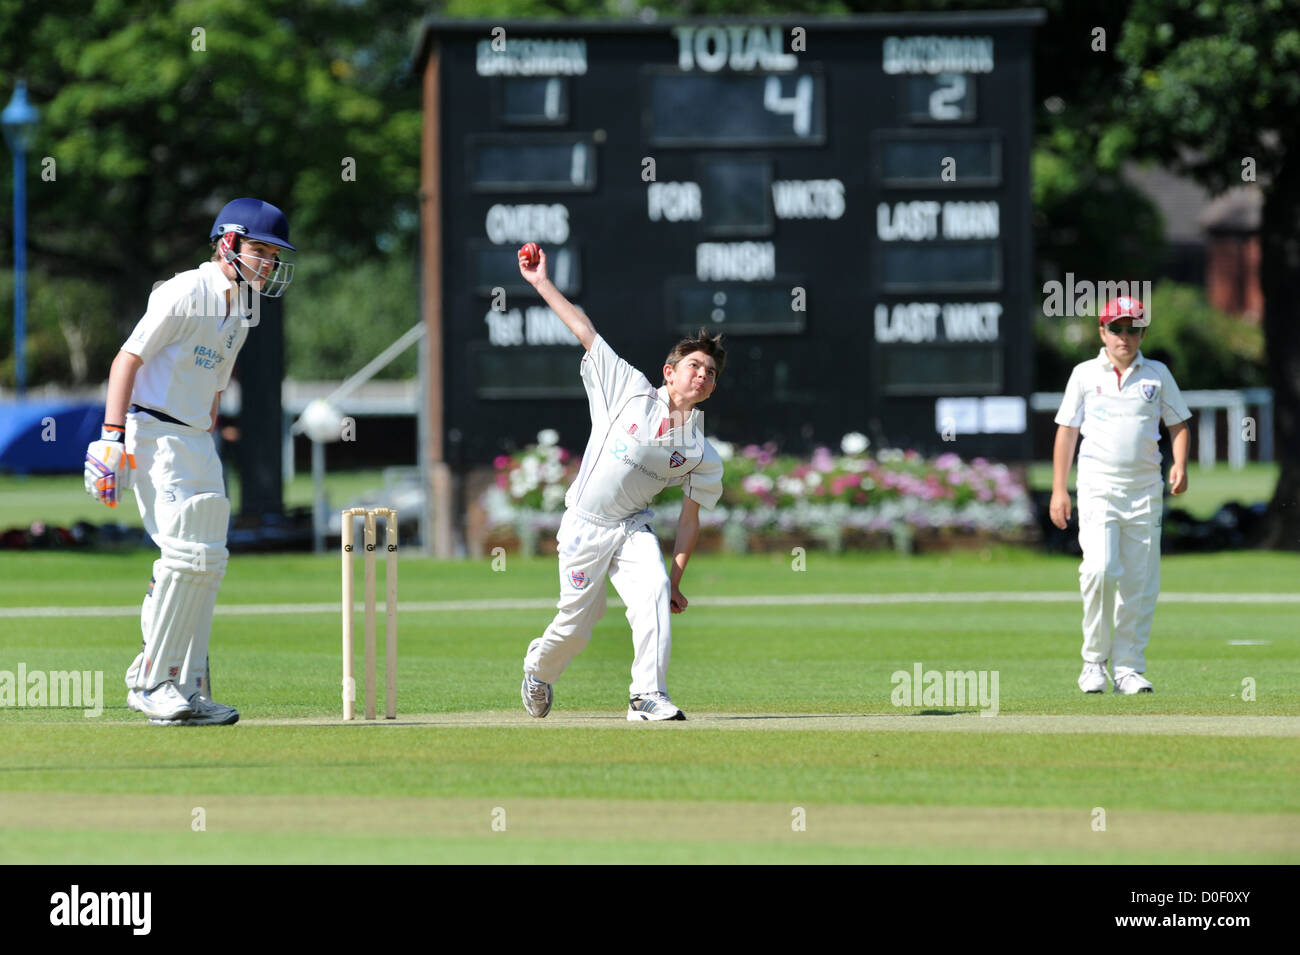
(530, 254)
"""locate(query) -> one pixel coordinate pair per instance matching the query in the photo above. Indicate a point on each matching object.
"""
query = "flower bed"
(847, 500)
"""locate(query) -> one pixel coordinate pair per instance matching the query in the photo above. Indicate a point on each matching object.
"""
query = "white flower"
(725, 450)
(552, 497)
(813, 479)
(790, 485)
(854, 443)
(548, 437)
(519, 485)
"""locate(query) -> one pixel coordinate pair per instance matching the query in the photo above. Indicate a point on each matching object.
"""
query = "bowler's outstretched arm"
(573, 319)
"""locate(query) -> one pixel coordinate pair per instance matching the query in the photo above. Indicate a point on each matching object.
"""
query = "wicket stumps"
(390, 612)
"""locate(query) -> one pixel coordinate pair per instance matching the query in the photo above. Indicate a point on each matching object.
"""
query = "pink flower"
(501, 462)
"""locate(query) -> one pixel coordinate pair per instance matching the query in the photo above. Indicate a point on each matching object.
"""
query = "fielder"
(1117, 401)
(163, 393)
(643, 439)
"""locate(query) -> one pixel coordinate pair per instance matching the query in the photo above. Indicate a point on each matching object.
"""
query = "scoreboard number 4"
(799, 106)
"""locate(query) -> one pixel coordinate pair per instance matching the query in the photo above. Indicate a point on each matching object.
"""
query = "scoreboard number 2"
(945, 102)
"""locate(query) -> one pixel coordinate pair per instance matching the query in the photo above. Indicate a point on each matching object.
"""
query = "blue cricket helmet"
(253, 219)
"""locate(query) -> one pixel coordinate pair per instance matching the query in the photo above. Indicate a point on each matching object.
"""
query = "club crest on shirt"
(578, 578)
(632, 430)
(677, 460)
(1149, 390)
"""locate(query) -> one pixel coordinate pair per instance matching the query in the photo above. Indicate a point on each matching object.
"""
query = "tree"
(1213, 88)
(155, 114)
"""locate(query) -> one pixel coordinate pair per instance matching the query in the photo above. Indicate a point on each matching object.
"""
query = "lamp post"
(19, 119)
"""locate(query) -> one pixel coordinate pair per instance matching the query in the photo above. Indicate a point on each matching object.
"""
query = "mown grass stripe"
(755, 600)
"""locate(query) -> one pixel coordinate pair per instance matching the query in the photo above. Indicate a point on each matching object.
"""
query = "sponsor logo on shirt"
(205, 357)
(619, 451)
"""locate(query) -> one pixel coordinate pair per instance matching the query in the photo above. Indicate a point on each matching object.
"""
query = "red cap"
(1125, 307)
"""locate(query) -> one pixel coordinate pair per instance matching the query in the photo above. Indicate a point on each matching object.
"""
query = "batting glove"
(108, 466)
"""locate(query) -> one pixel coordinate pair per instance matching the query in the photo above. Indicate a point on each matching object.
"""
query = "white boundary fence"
(1243, 428)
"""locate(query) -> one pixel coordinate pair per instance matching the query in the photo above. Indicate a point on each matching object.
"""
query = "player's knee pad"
(192, 537)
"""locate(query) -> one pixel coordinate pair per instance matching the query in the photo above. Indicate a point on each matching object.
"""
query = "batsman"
(163, 393)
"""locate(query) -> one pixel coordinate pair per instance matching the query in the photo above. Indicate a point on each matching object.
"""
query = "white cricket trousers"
(173, 465)
(629, 553)
(1119, 577)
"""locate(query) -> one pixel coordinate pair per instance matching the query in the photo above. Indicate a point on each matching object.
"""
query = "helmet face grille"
(278, 280)
(274, 284)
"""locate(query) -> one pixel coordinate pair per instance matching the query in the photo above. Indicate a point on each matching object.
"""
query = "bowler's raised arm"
(573, 319)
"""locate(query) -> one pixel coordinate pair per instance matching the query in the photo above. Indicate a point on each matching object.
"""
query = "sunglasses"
(1123, 330)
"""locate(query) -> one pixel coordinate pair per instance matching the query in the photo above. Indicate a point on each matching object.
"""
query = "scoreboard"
(847, 200)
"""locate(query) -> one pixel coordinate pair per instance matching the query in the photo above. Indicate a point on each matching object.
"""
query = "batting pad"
(187, 576)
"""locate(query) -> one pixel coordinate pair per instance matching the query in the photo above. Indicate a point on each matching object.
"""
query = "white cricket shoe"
(652, 706)
(537, 696)
(206, 713)
(1131, 682)
(1093, 678)
(163, 702)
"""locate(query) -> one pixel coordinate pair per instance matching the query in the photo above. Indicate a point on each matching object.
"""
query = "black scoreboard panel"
(850, 206)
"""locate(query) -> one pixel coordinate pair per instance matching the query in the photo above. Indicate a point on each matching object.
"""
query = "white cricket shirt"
(1119, 414)
(628, 460)
(188, 341)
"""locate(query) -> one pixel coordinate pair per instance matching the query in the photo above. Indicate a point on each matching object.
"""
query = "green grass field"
(787, 678)
(60, 499)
